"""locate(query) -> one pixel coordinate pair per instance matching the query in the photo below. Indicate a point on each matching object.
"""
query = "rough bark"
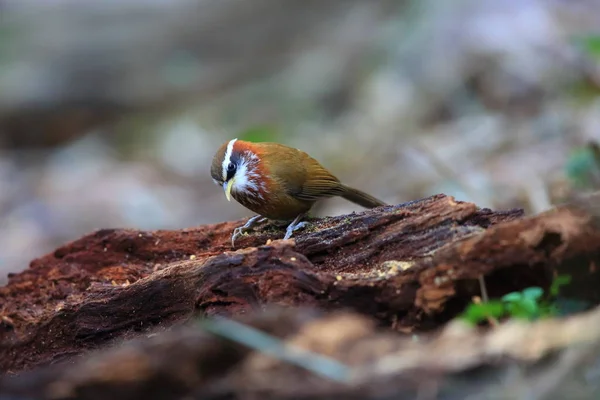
(411, 268)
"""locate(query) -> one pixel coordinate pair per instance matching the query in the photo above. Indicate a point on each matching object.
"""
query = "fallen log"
(411, 267)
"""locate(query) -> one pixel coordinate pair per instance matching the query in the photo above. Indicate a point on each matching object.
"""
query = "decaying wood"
(411, 267)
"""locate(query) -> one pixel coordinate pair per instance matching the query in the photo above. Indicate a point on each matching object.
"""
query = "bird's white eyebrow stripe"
(227, 158)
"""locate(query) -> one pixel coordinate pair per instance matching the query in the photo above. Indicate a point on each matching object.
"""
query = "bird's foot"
(294, 226)
(241, 230)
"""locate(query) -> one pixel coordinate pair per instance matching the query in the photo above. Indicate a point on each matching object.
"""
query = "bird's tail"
(361, 198)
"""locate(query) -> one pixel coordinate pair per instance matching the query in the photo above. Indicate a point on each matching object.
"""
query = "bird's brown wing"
(304, 177)
(319, 184)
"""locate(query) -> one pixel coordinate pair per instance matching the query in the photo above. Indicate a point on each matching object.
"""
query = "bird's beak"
(227, 188)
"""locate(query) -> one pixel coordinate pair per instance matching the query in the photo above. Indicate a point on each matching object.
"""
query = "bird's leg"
(240, 230)
(294, 226)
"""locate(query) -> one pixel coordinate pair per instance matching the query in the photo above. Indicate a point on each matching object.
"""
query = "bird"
(277, 182)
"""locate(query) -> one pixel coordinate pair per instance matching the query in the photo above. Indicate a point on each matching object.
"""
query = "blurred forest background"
(110, 111)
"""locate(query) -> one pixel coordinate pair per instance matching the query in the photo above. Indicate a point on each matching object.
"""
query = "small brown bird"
(277, 182)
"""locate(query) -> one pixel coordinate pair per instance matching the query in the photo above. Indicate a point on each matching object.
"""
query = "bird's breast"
(276, 205)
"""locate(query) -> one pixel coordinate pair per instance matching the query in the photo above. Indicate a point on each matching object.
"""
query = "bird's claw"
(237, 232)
(241, 230)
(293, 228)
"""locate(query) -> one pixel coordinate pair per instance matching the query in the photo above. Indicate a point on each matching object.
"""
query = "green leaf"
(530, 306)
(476, 313)
(560, 280)
(525, 309)
(533, 293)
(524, 304)
(512, 297)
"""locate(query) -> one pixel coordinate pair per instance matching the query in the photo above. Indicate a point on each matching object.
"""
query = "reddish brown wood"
(119, 284)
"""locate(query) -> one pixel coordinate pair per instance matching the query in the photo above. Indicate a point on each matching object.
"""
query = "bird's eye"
(231, 167)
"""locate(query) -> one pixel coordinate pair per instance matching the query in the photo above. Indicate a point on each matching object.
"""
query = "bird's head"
(236, 167)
